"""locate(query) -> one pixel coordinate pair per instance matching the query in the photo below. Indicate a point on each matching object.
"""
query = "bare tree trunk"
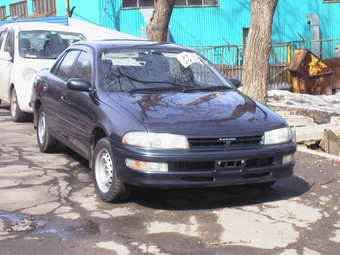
(257, 52)
(157, 28)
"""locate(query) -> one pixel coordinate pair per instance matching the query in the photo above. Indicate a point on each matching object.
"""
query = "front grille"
(241, 141)
(196, 166)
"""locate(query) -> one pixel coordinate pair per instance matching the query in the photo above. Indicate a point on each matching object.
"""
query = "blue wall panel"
(198, 25)
(82, 10)
(212, 26)
(209, 26)
(291, 18)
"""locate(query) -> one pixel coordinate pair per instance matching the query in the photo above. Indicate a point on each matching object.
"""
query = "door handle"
(45, 87)
(63, 96)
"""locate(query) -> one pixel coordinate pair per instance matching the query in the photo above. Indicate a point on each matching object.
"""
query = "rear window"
(42, 44)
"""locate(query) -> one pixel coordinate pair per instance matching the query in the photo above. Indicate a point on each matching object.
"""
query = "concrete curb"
(313, 133)
(317, 153)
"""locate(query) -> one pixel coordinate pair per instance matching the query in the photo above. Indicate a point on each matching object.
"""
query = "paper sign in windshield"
(186, 58)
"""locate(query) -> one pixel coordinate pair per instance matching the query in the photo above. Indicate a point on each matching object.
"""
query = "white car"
(25, 48)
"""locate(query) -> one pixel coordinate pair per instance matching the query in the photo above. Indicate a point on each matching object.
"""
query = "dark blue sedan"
(157, 115)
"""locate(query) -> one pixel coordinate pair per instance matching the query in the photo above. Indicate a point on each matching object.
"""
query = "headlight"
(156, 140)
(277, 136)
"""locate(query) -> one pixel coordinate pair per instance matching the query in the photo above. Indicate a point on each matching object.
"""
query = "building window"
(18, 10)
(45, 7)
(138, 3)
(178, 3)
(3, 14)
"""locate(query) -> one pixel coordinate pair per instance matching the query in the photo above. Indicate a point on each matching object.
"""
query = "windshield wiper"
(164, 88)
(210, 88)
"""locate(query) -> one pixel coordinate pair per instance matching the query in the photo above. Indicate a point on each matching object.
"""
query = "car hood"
(197, 113)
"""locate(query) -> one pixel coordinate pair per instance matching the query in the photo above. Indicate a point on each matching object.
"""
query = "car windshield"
(40, 44)
(146, 70)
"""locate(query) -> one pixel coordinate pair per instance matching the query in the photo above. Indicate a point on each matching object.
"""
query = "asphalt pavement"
(48, 205)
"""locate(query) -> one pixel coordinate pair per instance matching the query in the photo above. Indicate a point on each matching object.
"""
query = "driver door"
(74, 125)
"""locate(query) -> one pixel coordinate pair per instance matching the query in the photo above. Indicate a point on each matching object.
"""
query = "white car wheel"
(16, 114)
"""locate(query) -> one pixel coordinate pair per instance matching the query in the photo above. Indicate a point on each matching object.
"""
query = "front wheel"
(16, 114)
(108, 186)
(46, 142)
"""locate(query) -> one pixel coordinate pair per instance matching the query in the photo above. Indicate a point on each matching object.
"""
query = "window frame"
(186, 4)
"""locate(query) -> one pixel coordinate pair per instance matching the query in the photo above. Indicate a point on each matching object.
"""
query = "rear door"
(49, 86)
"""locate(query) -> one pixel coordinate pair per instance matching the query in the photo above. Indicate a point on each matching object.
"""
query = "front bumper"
(206, 168)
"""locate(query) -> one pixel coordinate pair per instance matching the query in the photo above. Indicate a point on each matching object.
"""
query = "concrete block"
(295, 120)
(313, 133)
(335, 120)
(299, 121)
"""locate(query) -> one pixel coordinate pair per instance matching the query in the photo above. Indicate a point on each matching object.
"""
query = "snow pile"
(329, 103)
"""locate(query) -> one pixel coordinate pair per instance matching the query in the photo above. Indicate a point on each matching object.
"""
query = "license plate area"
(231, 165)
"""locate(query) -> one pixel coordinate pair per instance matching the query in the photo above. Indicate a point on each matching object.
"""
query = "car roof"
(29, 26)
(129, 43)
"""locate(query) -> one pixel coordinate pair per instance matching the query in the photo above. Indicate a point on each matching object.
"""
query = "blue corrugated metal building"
(220, 23)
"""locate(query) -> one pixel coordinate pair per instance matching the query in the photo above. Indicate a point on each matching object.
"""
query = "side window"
(65, 67)
(82, 68)
(9, 43)
(54, 68)
(2, 36)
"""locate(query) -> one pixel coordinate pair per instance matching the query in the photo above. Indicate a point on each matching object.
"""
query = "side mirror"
(236, 81)
(78, 84)
(5, 56)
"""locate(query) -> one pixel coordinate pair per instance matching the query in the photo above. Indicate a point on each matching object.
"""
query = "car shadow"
(4, 106)
(72, 154)
(206, 198)
(217, 197)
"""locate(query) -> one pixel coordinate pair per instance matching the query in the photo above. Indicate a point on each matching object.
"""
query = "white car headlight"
(277, 136)
(156, 140)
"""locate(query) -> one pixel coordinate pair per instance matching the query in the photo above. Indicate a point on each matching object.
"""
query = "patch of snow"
(329, 103)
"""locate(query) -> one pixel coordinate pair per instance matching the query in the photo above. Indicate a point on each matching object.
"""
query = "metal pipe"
(313, 21)
(67, 4)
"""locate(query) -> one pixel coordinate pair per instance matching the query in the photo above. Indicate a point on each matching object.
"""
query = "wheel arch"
(36, 107)
(11, 87)
(97, 134)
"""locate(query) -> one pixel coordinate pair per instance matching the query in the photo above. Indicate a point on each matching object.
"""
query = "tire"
(108, 187)
(46, 142)
(16, 114)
